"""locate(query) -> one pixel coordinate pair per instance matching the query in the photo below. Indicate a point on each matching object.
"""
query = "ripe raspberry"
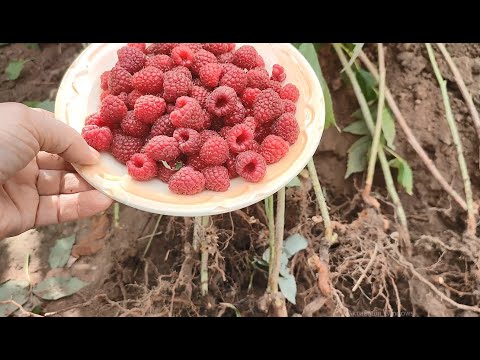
(165, 173)
(214, 151)
(259, 62)
(187, 114)
(187, 181)
(132, 127)
(210, 74)
(290, 92)
(235, 78)
(104, 80)
(162, 62)
(132, 98)
(162, 148)
(222, 101)
(161, 48)
(195, 162)
(278, 73)
(124, 146)
(141, 167)
(94, 119)
(289, 106)
(249, 96)
(286, 127)
(124, 97)
(162, 126)
(189, 140)
(250, 122)
(170, 108)
(185, 71)
(251, 166)
(139, 46)
(195, 47)
(245, 57)
(207, 119)
(148, 80)
(237, 116)
(148, 108)
(131, 59)
(230, 164)
(201, 58)
(261, 132)
(112, 110)
(275, 86)
(175, 85)
(267, 106)
(216, 178)
(119, 81)
(255, 146)
(104, 94)
(200, 94)
(239, 138)
(197, 82)
(224, 131)
(182, 55)
(217, 48)
(273, 148)
(226, 58)
(99, 138)
(207, 134)
(258, 79)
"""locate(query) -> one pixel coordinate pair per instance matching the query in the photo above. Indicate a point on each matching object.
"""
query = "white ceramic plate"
(78, 96)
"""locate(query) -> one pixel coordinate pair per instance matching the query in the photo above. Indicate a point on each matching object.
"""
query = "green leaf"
(388, 127)
(357, 155)
(56, 288)
(60, 252)
(178, 165)
(297, 45)
(14, 69)
(294, 183)
(293, 244)
(16, 290)
(308, 50)
(358, 127)
(283, 258)
(367, 84)
(46, 105)
(405, 174)
(32, 46)
(288, 287)
(388, 124)
(356, 51)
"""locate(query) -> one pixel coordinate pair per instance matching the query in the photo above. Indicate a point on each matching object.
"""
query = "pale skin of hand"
(38, 185)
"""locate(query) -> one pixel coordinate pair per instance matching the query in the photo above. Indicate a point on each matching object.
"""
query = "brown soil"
(167, 282)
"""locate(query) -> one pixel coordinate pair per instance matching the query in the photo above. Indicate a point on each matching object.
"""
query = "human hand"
(38, 186)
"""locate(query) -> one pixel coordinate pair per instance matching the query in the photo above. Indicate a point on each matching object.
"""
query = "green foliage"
(55, 288)
(45, 104)
(358, 155)
(60, 252)
(13, 290)
(32, 46)
(14, 69)
(295, 182)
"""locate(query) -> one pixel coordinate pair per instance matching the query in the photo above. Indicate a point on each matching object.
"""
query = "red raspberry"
(165, 173)
(162, 126)
(195, 162)
(258, 79)
(250, 122)
(290, 92)
(124, 146)
(267, 106)
(200, 94)
(112, 110)
(197, 82)
(162, 62)
(187, 181)
(235, 78)
(289, 106)
(230, 164)
(231, 46)
(182, 55)
(170, 108)
(131, 59)
(214, 151)
(275, 86)
(210, 74)
(148, 80)
(201, 58)
(216, 178)
(132, 127)
(94, 119)
(124, 97)
(185, 71)
(259, 62)
(161, 48)
(286, 127)
(240, 138)
(249, 96)
(221, 101)
(237, 116)
(132, 98)
(187, 114)
(104, 94)
(217, 48)
(104, 80)
(195, 47)
(226, 58)
(139, 46)
(175, 85)
(273, 148)
(162, 148)
(148, 108)
(261, 132)
(223, 131)
(207, 120)
(245, 57)
(207, 134)
(119, 81)
(251, 166)
(278, 73)
(141, 167)
(99, 138)
(256, 146)
(189, 140)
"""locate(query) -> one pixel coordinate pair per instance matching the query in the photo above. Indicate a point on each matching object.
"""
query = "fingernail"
(95, 154)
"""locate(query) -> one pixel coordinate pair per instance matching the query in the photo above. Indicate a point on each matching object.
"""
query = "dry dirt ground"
(444, 264)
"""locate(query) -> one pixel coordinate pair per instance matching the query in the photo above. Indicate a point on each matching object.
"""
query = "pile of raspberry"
(194, 115)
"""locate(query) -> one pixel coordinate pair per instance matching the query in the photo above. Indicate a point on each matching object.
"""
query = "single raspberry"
(132, 127)
(224, 131)
(240, 138)
(132, 98)
(139, 46)
(207, 119)
(207, 134)
(165, 173)
(104, 94)
(187, 181)
(261, 132)
(210, 74)
(189, 140)
(217, 48)
(148, 108)
(235, 78)
(200, 94)
(259, 62)
(141, 167)
(251, 166)
(214, 151)
(230, 164)
(201, 58)
(187, 114)
(290, 92)
(112, 110)
(162, 148)
(94, 119)
(162, 126)
(148, 80)
(250, 122)
(278, 73)
(256, 146)
(131, 59)
(104, 80)
(275, 86)
(182, 55)
(289, 106)
(216, 178)
(245, 57)
(249, 96)
(124, 146)
(160, 48)
(162, 62)
(184, 70)
(119, 81)
(226, 58)
(217, 123)
(170, 108)
(237, 116)
(195, 47)
(196, 162)
(99, 138)
(286, 127)
(175, 85)
(267, 106)
(258, 79)
(124, 97)
(221, 101)
(273, 148)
